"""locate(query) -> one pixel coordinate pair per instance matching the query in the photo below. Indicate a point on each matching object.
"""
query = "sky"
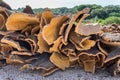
(58, 3)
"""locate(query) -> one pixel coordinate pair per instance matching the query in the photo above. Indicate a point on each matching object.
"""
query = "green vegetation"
(110, 20)
(103, 15)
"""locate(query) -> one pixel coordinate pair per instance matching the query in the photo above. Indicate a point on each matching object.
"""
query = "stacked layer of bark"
(49, 42)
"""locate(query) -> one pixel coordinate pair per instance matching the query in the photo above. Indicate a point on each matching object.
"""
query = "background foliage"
(104, 15)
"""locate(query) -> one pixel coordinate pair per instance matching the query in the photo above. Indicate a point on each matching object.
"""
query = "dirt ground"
(12, 72)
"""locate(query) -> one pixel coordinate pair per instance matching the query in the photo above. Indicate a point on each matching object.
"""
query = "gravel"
(12, 72)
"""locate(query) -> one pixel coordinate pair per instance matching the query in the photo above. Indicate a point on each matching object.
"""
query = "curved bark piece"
(114, 69)
(81, 42)
(28, 10)
(63, 28)
(55, 47)
(11, 42)
(13, 59)
(2, 21)
(75, 18)
(12, 35)
(87, 29)
(112, 39)
(106, 49)
(113, 56)
(32, 40)
(86, 43)
(5, 49)
(4, 12)
(78, 24)
(20, 59)
(42, 44)
(113, 28)
(19, 21)
(35, 30)
(101, 58)
(62, 31)
(5, 5)
(48, 72)
(21, 53)
(20, 45)
(26, 30)
(47, 15)
(42, 23)
(4, 33)
(50, 32)
(91, 59)
(41, 63)
(68, 49)
(15, 35)
(88, 61)
(76, 39)
(59, 60)
(39, 15)
(112, 62)
(72, 58)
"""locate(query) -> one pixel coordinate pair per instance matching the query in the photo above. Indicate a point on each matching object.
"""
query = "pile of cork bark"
(49, 42)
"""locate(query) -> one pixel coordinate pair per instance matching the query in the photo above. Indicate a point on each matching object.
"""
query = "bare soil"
(12, 72)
